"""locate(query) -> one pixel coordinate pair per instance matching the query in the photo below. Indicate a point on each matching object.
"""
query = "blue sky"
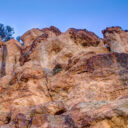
(94, 15)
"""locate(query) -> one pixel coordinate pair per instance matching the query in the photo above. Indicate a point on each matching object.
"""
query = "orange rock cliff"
(72, 79)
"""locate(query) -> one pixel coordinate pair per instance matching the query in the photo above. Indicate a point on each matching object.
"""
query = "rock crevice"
(3, 65)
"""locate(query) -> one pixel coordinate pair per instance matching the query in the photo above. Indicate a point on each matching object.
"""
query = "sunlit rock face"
(71, 79)
(117, 39)
(54, 47)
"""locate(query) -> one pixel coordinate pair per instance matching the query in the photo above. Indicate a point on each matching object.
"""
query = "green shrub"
(55, 71)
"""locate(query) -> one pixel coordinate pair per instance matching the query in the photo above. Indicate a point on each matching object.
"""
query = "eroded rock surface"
(116, 39)
(10, 53)
(71, 79)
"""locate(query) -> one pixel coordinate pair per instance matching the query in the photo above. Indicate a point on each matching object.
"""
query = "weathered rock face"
(65, 80)
(101, 77)
(49, 50)
(117, 39)
(10, 53)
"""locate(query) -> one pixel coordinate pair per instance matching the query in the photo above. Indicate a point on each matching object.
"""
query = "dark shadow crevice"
(3, 64)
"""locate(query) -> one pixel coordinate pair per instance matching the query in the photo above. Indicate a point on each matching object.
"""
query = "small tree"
(6, 32)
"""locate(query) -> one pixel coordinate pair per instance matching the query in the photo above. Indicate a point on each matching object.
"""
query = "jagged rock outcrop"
(49, 50)
(65, 80)
(116, 39)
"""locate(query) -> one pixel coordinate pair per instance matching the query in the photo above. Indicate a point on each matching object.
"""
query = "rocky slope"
(65, 80)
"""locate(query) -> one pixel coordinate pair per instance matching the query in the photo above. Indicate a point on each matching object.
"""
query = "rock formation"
(72, 79)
